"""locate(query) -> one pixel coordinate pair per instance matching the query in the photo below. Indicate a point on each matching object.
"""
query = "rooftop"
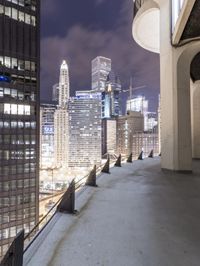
(138, 215)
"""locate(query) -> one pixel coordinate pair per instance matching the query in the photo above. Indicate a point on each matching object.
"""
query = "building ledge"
(138, 215)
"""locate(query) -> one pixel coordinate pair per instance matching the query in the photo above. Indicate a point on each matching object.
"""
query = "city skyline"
(80, 38)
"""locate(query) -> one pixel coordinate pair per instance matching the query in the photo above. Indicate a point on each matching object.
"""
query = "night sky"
(80, 30)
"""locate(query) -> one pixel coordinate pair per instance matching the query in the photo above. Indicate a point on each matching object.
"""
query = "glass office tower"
(19, 117)
(101, 66)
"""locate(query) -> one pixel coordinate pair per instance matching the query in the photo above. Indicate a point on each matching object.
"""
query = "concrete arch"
(187, 131)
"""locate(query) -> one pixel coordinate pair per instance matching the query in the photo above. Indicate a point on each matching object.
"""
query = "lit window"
(27, 65)
(14, 63)
(14, 109)
(14, 93)
(21, 16)
(8, 11)
(20, 109)
(27, 109)
(1, 9)
(1, 92)
(20, 95)
(27, 19)
(14, 13)
(6, 108)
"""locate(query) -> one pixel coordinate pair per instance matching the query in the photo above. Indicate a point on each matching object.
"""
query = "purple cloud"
(80, 45)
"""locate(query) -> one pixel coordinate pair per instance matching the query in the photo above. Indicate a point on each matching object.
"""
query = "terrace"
(138, 215)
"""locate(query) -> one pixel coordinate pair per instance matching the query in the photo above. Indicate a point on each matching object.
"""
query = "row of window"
(17, 109)
(17, 215)
(27, 154)
(18, 124)
(17, 184)
(26, 3)
(17, 15)
(19, 199)
(17, 79)
(18, 140)
(14, 63)
(6, 233)
(18, 95)
(12, 231)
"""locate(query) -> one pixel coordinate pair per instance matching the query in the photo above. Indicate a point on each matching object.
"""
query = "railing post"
(140, 156)
(151, 154)
(14, 255)
(67, 204)
(130, 158)
(118, 162)
(91, 180)
(106, 168)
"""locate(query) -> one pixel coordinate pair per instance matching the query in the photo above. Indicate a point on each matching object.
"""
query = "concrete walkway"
(138, 216)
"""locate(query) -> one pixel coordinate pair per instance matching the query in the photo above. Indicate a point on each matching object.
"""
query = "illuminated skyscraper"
(19, 118)
(140, 104)
(127, 126)
(137, 104)
(109, 136)
(101, 66)
(55, 93)
(111, 105)
(47, 112)
(85, 130)
(61, 118)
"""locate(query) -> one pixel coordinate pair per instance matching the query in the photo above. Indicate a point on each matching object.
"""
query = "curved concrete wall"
(145, 28)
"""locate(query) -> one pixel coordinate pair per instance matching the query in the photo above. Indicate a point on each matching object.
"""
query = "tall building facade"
(145, 142)
(109, 136)
(127, 126)
(61, 127)
(111, 104)
(84, 130)
(47, 112)
(137, 104)
(19, 118)
(101, 67)
(140, 104)
(55, 93)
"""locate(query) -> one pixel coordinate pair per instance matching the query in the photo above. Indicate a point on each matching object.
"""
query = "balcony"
(138, 215)
(146, 23)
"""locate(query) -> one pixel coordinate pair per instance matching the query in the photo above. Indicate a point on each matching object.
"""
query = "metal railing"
(65, 204)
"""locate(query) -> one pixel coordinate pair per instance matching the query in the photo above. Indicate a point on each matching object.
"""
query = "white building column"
(175, 99)
(195, 115)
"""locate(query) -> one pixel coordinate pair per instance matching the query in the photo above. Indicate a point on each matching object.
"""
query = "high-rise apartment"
(61, 118)
(109, 136)
(47, 112)
(140, 104)
(111, 105)
(137, 104)
(127, 126)
(85, 130)
(101, 66)
(19, 117)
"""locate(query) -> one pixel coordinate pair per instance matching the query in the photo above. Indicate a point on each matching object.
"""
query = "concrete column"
(175, 99)
(195, 115)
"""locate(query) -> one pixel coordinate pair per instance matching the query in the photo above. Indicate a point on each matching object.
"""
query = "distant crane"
(131, 89)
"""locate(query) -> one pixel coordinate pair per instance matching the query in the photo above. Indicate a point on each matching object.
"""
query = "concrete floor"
(138, 216)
